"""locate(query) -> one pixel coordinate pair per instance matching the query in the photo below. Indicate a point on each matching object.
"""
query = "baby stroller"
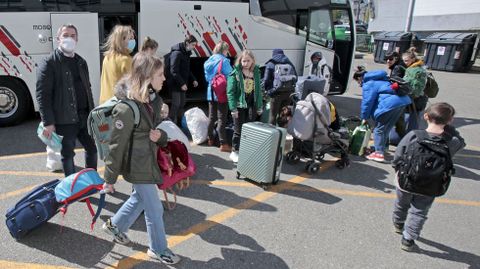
(312, 135)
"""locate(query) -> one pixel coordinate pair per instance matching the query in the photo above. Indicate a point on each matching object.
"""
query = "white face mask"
(68, 44)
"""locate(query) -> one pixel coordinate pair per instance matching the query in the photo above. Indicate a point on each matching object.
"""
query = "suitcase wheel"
(293, 157)
(312, 167)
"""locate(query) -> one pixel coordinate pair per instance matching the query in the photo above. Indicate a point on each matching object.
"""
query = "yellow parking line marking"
(466, 156)
(243, 184)
(380, 195)
(196, 229)
(27, 155)
(21, 265)
(31, 173)
(223, 183)
(39, 174)
(17, 192)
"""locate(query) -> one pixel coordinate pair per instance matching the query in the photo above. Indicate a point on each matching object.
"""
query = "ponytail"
(411, 53)
(359, 72)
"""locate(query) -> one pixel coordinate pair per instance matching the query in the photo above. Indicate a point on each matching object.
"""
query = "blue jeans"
(144, 198)
(411, 210)
(383, 124)
(70, 133)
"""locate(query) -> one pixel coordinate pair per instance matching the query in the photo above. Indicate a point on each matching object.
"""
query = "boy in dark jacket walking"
(178, 74)
(281, 98)
(410, 211)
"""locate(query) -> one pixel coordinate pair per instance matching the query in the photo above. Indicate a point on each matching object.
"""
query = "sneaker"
(398, 227)
(211, 142)
(118, 236)
(234, 156)
(167, 257)
(376, 156)
(225, 148)
(408, 245)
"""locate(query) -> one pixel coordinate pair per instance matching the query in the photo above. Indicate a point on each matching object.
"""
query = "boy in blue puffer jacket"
(380, 102)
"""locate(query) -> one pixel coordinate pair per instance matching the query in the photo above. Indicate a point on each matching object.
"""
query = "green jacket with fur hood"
(235, 89)
(142, 166)
(416, 75)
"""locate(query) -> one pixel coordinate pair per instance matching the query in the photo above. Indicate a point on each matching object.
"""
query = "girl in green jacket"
(133, 154)
(416, 76)
(244, 96)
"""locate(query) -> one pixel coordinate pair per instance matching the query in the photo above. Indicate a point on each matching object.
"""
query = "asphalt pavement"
(333, 219)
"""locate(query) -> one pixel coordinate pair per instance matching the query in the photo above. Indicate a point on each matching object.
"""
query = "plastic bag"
(174, 132)
(197, 123)
(360, 138)
(55, 142)
(54, 160)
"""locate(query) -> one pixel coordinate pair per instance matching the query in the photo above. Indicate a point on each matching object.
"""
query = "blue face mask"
(131, 44)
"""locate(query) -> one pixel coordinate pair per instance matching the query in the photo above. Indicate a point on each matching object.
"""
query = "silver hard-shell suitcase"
(261, 152)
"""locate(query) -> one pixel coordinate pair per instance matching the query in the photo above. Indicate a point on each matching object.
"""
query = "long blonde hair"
(115, 43)
(243, 54)
(140, 77)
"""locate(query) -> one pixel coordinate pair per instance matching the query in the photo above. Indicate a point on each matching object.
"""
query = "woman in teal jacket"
(217, 111)
(244, 96)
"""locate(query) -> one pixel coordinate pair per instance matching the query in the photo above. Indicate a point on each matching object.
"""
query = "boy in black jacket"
(410, 211)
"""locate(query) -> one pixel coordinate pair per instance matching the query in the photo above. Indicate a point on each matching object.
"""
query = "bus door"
(87, 45)
(330, 38)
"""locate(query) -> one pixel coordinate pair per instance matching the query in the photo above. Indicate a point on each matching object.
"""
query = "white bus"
(299, 27)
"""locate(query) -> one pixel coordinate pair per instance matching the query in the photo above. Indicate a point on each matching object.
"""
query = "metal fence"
(364, 43)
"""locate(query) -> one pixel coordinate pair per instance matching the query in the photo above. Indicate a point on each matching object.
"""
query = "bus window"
(320, 31)
(342, 25)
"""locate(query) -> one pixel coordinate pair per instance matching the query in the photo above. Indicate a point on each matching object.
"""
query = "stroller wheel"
(312, 167)
(293, 157)
(320, 156)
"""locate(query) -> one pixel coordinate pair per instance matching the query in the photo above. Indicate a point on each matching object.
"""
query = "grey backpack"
(284, 78)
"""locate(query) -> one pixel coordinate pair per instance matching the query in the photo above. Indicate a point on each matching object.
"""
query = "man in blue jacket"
(279, 98)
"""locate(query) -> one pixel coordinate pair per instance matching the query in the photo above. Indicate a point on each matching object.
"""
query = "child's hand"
(155, 135)
(108, 188)
(235, 114)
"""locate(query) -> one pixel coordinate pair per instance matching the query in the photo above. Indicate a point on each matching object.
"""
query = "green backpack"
(431, 87)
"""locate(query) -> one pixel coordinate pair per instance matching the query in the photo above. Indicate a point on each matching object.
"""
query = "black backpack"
(426, 167)
(404, 87)
(166, 63)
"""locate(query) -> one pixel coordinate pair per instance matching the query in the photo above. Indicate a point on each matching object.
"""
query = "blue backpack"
(33, 210)
(79, 187)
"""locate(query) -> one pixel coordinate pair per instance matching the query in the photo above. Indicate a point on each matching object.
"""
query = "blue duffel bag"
(33, 210)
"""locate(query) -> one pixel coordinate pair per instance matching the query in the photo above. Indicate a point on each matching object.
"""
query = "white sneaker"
(234, 156)
(167, 257)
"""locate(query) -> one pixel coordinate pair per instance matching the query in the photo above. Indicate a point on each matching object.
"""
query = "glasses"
(389, 59)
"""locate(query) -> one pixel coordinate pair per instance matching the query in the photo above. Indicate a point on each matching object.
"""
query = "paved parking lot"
(333, 219)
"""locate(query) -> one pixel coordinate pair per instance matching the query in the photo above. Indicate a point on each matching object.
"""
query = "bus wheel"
(14, 102)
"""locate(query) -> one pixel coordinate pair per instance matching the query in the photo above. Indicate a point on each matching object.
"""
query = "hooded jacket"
(416, 75)
(236, 90)
(277, 58)
(377, 96)
(137, 162)
(210, 69)
(178, 72)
